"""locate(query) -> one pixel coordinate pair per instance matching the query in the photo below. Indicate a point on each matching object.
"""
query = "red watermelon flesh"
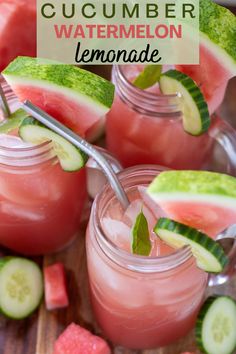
(209, 218)
(77, 340)
(17, 29)
(76, 117)
(76, 97)
(211, 76)
(55, 287)
(203, 200)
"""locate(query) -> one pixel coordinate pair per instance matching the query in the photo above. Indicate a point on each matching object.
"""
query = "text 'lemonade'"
(139, 302)
(40, 204)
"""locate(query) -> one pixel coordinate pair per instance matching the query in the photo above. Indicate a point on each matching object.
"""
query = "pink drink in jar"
(139, 302)
(144, 126)
(40, 204)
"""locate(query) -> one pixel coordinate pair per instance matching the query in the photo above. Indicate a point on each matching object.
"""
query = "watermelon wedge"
(200, 199)
(217, 53)
(77, 340)
(17, 30)
(55, 287)
(76, 97)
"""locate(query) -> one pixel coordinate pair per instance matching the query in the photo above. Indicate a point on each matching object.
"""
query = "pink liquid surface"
(136, 138)
(40, 205)
(139, 310)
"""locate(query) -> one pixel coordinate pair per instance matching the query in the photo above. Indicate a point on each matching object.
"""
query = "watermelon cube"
(55, 287)
(77, 340)
(17, 30)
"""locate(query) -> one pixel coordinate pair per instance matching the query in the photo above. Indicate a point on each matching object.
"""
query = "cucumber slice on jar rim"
(216, 326)
(21, 287)
(209, 255)
(70, 157)
(196, 117)
(14, 121)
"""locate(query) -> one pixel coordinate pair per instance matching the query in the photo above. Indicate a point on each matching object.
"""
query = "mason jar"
(40, 204)
(145, 127)
(139, 302)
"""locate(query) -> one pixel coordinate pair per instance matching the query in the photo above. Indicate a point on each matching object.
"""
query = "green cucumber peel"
(196, 117)
(148, 77)
(141, 244)
(70, 157)
(215, 326)
(209, 255)
(21, 287)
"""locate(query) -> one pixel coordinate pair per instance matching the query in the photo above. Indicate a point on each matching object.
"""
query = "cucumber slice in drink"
(13, 122)
(209, 254)
(216, 326)
(196, 118)
(70, 157)
(21, 287)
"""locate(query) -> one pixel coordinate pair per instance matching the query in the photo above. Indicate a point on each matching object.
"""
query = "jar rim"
(121, 257)
(145, 102)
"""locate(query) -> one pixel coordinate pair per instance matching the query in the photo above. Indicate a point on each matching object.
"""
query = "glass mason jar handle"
(225, 135)
(230, 269)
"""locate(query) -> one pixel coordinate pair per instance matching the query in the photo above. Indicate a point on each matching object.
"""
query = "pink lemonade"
(139, 302)
(40, 204)
(146, 127)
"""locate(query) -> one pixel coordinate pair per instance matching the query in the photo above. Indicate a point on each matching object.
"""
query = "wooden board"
(37, 334)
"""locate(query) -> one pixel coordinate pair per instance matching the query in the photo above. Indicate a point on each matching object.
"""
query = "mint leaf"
(148, 77)
(141, 243)
(13, 122)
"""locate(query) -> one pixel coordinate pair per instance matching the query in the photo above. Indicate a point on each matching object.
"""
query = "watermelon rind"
(75, 83)
(218, 33)
(198, 186)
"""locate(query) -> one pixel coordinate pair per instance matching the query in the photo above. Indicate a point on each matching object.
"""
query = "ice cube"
(118, 232)
(150, 204)
(134, 210)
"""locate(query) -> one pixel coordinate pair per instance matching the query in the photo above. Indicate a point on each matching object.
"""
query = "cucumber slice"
(209, 254)
(216, 326)
(21, 287)
(13, 122)
(196, 118)
(70, 157)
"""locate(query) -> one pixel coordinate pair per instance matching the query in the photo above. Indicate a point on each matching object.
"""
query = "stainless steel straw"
(75, 139)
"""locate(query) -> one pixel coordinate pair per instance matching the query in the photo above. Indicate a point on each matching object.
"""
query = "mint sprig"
(150, 75)
(141, 244)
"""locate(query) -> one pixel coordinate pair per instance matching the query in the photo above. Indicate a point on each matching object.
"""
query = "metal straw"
(82, 144)
(3, 102)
